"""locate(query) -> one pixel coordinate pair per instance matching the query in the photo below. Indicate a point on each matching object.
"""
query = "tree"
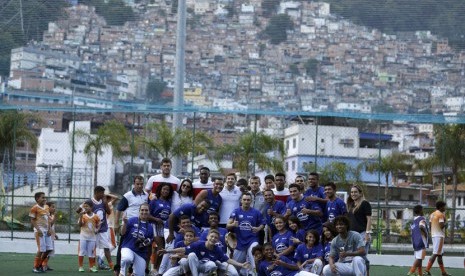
(154, 90)
(390, 165)
(311, 68)
(253, 148)
(111, 134)
(175, 144)
(277, 28)
(14, 130)
(269, 7)
(450, 149)
(341, 173)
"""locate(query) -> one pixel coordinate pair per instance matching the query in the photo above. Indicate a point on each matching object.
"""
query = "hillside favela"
(269, 87)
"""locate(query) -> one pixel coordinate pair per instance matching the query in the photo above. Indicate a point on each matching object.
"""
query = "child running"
(419, 231)
(90, 224)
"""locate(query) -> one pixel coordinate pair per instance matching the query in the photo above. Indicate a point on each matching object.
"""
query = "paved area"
(63, 247)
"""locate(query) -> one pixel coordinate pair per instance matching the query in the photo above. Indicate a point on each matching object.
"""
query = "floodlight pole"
(179, 78)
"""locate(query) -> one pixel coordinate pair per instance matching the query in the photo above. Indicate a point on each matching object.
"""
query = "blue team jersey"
(303, 253)
(300, 234)
(189, 209)
(335, 208)
(419, 241)
(204, 254)
(135, 229)
(276, 270)
(326, 250)
(215, 202)
(307, 221)
(179, 237)
(281, 242)
(222, 242)
(318, 192)
(278, 207)
(99, 209)
(160, 208)
(247, 220)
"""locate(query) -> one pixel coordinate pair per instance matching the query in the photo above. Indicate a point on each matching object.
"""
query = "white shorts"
(438, 245)
(158, 230)
(419, 254)
(86, 248)
(103, 240)
(44, 243)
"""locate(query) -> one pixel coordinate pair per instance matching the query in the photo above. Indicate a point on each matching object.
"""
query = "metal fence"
(344, 148)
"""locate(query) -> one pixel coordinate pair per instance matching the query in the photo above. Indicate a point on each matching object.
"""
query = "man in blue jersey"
(212, 196)
(335, 206)
(315, 192)
(205, 257)
(246, 222)
(273, 208)
(419, 231)
(308, 212)
(197, 213)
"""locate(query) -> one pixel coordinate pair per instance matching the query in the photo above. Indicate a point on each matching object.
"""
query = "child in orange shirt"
(40, 220)
(89, 223)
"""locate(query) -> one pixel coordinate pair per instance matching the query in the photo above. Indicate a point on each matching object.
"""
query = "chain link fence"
(345, 150)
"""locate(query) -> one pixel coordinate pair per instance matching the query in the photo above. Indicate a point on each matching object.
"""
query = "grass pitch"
(67, 265)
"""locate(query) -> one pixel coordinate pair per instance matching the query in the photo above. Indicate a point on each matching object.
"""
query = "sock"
(428, 266)
(110, 264)
(36, 262)
(45, 262)
(420, 270)
(91, 262)
(412, 269)
(81, 261)
(443, 270)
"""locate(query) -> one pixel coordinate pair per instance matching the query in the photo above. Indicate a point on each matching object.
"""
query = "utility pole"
(179, 78)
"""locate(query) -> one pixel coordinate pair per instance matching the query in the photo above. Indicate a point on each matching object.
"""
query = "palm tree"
(390, 165)
(341, 173)
(251, 148)
(111, 134)
(450, 147)
(14, 130)
(175, 144)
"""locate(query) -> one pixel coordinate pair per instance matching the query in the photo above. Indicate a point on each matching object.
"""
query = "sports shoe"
(37, 270)
(426, 273)
(446, 274)
(47, 268)
(81, 269)
(104, 267)
(94, 269)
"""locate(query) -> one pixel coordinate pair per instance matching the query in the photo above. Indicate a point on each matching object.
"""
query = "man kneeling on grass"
(204, 257)
(349, 248)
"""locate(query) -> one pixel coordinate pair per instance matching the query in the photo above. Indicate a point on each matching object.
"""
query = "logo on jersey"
(245, 225)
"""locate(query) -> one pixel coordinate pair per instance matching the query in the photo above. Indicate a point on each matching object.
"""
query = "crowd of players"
(227, 226)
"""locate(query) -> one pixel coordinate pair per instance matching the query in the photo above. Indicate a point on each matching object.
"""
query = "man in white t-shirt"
(204, 182)
(231, 195)
(164, 177)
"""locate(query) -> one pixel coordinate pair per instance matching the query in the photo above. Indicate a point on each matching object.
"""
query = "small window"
(294, 143)
(322, 140)
(287, 166)
(287, 144)
(293, 165)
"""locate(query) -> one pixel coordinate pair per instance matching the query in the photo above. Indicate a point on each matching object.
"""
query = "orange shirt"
(41, 215)
(435, 219)
(89, 227)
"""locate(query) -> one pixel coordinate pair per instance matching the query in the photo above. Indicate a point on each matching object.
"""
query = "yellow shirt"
(435, 219)
(42, 216)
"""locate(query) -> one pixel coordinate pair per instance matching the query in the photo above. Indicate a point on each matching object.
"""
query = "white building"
(305, 144)
(54, 151)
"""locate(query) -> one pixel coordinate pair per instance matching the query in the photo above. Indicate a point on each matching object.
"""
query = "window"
(287, 144)
(293, 165)
(287, 166)
(399, 214)
(294, 143)
(459, 201)
(322, 140)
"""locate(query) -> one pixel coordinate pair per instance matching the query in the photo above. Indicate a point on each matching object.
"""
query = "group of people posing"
(227, 226)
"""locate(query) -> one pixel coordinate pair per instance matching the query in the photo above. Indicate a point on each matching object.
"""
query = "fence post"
(193, 148)
(71, 176)
(378, 223)
(13, 164)
(316, 144)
